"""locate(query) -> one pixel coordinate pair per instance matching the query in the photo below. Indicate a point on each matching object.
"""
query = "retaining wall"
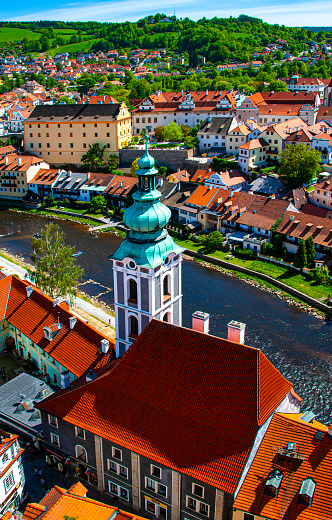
(294, 292)
(172, 159)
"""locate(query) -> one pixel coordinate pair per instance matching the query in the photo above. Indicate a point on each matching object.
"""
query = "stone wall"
(172, 159)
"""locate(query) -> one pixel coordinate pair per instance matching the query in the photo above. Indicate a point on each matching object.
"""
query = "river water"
(298, 344)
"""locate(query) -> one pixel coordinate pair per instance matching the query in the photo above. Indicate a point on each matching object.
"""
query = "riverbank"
(281, 274)
(96, 313)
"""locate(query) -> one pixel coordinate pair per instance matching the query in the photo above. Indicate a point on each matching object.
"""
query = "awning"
(237, 236)
(195, 225)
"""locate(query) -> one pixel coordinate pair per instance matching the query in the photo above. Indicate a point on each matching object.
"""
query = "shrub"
(82, 204)
(244, 253)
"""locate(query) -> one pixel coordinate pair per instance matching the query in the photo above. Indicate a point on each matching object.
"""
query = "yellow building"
(62, 133)
(15, 172)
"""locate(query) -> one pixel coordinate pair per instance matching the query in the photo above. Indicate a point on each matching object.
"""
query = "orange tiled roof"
(120, 185)
(180, 417)
(253, 144)
(33, 511)
(317, 463)
(202, 196)
(76, 349)
(13, 163)
(44, 176)
(325, 137)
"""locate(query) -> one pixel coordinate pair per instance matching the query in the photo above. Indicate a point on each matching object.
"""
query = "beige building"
(15, 173)
(252, 154)
(62, 133)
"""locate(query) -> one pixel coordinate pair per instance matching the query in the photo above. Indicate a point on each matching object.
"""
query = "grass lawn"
(283, 274)
(12, 34)
(73, 47)
(82, 212)
(61, 32)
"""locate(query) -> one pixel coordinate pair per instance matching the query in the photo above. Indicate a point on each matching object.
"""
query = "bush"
(121, 212)
(244, 253)
(82, 204)
(49, 200)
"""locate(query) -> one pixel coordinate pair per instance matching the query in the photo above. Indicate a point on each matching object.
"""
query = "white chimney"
(55, 302)
(90, 376)
(6, 160)
(72, 322)
(160, 182)
(236, 331)
(201, 321)
(29, 290)
(104, 98)
(59, 171)
(65, 379)
(19, 160)
(105, 345)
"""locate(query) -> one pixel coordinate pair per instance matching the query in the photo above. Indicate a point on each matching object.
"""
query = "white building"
(12, 479)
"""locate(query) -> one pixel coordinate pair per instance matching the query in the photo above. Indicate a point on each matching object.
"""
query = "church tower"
(147, 265)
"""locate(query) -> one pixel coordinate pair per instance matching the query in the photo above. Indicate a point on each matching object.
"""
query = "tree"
(65, 99)
(298, 164)
(112, 163)
(321, 274)
(277, 86)
(98, 203)
(93, 158)
(172, 132)
(134, 167)
(310, 251)
(159, 133)
(213, 242)
(300, 259)
(56, 272)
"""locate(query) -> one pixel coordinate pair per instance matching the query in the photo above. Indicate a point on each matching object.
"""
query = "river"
(298, 344)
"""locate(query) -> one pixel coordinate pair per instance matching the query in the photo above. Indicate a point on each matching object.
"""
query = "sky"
(292, 12)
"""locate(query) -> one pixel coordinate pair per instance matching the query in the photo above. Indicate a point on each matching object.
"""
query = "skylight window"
(306, 492)
(273, 483)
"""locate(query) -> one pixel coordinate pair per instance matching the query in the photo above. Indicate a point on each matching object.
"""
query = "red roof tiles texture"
(317, 465)
(188, 400)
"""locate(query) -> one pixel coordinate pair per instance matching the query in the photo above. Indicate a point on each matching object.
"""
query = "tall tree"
(56, 272)
(93, 158)
(299, 164)
(300, 259)
(310, 251)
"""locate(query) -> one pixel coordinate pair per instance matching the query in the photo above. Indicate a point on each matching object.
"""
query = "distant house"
(213, 131)
(252, 154)
(268, 186)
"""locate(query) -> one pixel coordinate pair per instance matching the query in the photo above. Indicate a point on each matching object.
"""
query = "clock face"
(131, 264)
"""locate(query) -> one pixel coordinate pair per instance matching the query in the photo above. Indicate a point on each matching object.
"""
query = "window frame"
(50, 417)
(114, 448)
(152, 466)
(194, 484)
(76, 434)
(11, 485)
(118, 489)
(53, 435)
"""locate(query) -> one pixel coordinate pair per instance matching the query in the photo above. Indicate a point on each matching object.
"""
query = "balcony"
(9, 184)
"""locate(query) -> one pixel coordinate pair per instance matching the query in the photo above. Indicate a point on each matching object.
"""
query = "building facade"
(12, 479)
(62, 133)
(16, 171)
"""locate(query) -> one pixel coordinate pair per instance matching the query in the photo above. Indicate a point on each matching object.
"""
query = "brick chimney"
(201, 321)
(236, 331)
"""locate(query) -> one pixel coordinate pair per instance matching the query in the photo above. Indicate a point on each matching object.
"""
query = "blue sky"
(292, 12)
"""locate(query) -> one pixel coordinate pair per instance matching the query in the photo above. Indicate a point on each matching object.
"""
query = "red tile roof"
(120, 186)
(76, 349)
(302, 226)
(287, 98)
(202, 196)
(45, 176)
(253, 144)
(317, 463)
(173, 412)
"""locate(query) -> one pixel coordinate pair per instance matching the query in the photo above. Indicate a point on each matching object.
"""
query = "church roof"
(187, 400)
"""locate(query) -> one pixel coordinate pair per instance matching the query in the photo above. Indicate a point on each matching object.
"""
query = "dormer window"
(273, 483)
(306, 492)
(50, 332)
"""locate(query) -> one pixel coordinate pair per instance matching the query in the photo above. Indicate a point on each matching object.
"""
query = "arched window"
(81, 453)
(133, 326)
(167, 317)
(167, 287)
(132, 291)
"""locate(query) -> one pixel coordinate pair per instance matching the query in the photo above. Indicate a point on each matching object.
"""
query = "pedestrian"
(40, 472)
(35, 470)
(42, 481)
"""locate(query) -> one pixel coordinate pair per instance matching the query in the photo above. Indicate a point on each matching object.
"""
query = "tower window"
(167, 288)
(132, 291)
(133, 327)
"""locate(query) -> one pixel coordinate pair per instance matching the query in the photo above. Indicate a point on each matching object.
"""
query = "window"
(5, 458)
(31, 145)
(96, 134)
(47, 134)
(155, 471)
(83, 125)
(167, 287)
(79, 432)
(38, 134)
(150, 484)
(38, 126)
(47, 125)
(53, 421)
(59, 145)
(95, 125)
(306, 492)
(132, 291)
(116, 453)
(273, 483)
(108, 145)
(84, 145)
(84, 134)
(81, 453)
(247, 516)
(133, 326)
(112, 466)
(71, 145)
(108, 134)
(71, 134)
(9, 482)
(39, 145)
(118, 490)
(198, 506)
(143, 119)
(107, 124)
(155, 509)
(198, 490)
(55, 440)
(123, 471)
